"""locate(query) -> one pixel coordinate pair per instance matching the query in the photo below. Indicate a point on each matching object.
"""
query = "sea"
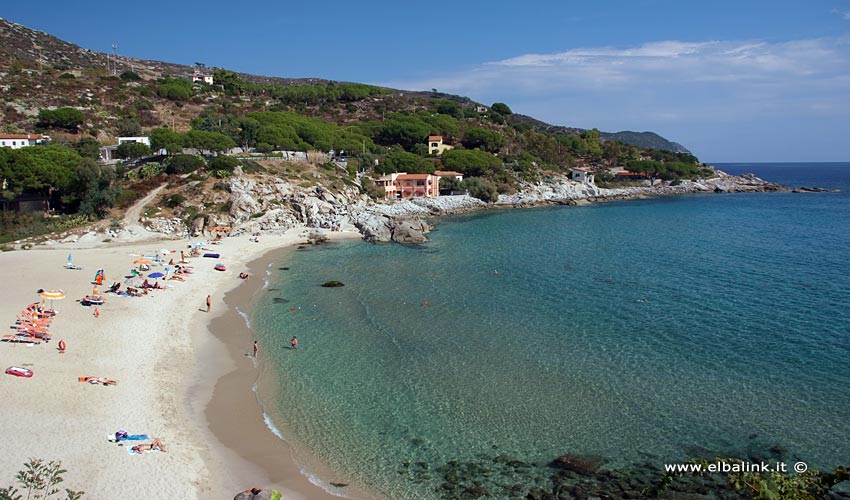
(632, 332)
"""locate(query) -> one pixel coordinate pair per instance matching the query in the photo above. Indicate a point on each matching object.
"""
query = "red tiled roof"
(435, 138)
(33, 137)
(413, 176)
(582, 169)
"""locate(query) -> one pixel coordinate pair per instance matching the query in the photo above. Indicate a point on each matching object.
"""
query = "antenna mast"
(114, 59)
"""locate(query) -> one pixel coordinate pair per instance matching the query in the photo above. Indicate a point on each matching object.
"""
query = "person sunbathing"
(98, 380)
(156, 445)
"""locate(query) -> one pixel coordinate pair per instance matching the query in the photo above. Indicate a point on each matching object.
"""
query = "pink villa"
(403, 185)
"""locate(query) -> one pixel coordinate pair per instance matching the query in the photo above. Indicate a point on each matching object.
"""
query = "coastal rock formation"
(263, 202)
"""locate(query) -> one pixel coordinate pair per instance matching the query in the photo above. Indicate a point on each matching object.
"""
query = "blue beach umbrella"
(156, 275)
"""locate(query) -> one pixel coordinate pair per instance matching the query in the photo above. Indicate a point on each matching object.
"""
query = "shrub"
(183, 164)
(226, 163)
(175, 200)
(67, 76)
(130, 76)
(149, 170)
(176, 89)
(62, 118)
(480, 188)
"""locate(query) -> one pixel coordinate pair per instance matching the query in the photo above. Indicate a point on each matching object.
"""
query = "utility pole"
(114, 59)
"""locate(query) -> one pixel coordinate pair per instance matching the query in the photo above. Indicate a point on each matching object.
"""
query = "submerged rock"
(585, 465)
(333, 284)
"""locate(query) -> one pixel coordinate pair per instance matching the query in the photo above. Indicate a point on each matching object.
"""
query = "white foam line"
(321, 484)
(245, 317)
(265, 284)
(271, 426)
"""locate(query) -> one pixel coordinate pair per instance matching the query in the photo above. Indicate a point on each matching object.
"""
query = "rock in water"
(333, 284)
(585, 465)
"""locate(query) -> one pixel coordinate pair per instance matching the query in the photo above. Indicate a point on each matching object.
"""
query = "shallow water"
(647, 330)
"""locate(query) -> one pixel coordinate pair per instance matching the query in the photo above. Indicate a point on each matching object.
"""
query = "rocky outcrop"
(268, 203)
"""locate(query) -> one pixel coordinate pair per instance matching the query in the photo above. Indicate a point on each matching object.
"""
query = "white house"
(17, 141)
(581, 175)
(144, 140)
(202, 77)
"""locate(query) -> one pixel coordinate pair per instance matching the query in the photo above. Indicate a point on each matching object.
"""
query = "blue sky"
(731, 80)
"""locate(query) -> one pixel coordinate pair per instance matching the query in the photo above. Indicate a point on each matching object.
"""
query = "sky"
(733, 81)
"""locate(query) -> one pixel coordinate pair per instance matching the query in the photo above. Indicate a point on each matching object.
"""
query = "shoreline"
(168, 367)
(177, 381)
(234, 413)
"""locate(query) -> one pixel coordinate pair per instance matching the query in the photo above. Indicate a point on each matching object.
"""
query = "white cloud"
(667, 85)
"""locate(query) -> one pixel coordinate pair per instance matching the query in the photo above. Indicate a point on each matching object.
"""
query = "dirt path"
(131, 218)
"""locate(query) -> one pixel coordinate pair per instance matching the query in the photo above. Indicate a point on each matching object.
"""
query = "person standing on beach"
(256, 349)
(209, 302)
(294, 343)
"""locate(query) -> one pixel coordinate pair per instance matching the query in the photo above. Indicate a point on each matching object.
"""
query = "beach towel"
(131, 437)
(131, 452)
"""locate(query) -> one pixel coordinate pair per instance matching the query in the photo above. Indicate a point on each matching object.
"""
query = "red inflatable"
(19, 372)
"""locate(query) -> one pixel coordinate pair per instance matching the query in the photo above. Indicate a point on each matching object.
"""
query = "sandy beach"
(183, 375)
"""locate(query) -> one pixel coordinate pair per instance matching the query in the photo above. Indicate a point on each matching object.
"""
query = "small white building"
(17, 141)
(581, 175)
(144, 140)
(481, 109)
(202, 77)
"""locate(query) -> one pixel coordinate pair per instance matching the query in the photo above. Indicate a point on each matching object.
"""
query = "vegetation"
(175, 89)
(39, 479)
(68, 119)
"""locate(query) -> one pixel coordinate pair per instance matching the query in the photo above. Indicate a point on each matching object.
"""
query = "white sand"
(155, 346)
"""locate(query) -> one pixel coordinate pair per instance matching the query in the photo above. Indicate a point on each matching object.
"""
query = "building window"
(434, 145)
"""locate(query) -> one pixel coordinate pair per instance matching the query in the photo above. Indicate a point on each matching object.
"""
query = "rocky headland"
(261, 203)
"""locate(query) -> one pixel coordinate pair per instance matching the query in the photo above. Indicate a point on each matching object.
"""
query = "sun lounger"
(73, 266)
(21, 339)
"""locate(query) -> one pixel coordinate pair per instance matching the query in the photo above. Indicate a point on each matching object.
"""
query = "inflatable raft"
(19, 372)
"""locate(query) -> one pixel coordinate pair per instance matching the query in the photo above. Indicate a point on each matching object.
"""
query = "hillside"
(63, 74)
(649, 140)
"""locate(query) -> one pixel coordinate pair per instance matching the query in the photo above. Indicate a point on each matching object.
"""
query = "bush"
(62, 118)
(130, 76)
(175, 200)
(67, 76)
(226, 163)
(176, 89)
(183, 164)
(149, 170)
(480, 188)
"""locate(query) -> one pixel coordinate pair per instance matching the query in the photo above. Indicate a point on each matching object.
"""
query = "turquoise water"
(535, 341)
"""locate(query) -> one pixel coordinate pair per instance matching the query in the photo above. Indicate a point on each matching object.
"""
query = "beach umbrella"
(156, 275)
(141, 261)
(52, 295)
(164, 251)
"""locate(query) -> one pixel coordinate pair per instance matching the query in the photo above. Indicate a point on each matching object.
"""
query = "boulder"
(408, 231)
(333, 284)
